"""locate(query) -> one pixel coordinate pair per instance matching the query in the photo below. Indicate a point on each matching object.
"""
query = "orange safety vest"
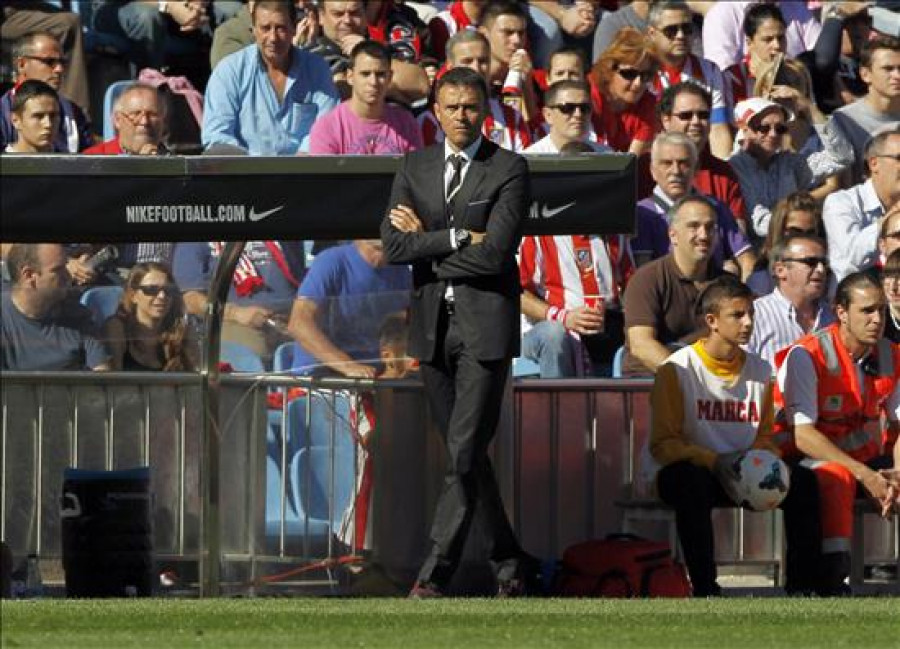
(846, 417)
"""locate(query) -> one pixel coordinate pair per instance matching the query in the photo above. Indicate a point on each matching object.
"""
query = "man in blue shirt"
(265, 98)
(340, 307)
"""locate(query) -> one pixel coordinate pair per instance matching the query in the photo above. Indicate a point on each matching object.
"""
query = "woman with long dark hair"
(148, 332)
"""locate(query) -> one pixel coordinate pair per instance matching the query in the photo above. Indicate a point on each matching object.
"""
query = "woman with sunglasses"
(619, 92)
(796, 214)
(767, 171)
(148, 332)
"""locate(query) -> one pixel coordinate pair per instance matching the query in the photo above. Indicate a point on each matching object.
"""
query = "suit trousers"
(692, 491)
(466, 396)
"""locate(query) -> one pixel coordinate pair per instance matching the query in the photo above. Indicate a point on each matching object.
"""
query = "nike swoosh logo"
(259, 217)
(549, 213)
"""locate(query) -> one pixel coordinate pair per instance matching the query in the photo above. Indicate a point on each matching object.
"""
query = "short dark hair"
(24, 44)
(370, 48)
(657, 9)
(31, 89)
(19, 256)
(779, 249)
(560, 86)
(576, 147)
(690, 198)
(498, 8)
(286, 7)
(667, 101)
(569, 50)
(394, 330)
(859, 279)
(757, 14)
(724, 287)
(462, 77)
(892, 265)
(880, 42)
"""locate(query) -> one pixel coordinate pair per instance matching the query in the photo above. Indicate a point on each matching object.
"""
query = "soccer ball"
(763, 481)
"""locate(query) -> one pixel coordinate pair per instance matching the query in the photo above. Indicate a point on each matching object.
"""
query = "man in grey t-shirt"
(633, 15)
(41, 330)
(880, 108)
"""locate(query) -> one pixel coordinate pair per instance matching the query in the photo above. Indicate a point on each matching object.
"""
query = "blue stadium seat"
(328, 411)
(241, 358)
(274, 486)
(522, 367)
(283, 358)
(618, 359)
(102, 301)
(311, 481)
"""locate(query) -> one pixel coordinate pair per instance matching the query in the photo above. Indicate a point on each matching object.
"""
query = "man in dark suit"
(455, 214)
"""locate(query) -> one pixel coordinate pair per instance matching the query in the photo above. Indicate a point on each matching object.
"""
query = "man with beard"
(41, 329)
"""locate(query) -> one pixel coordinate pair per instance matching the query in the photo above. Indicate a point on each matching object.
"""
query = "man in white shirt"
(797, 305)
(853, 217)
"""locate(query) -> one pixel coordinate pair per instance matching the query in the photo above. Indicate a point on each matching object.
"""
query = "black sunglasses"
(630, 74)
(688, 115)
(800, 232)
(780, 129)
(49, 61)
(570, 108)
(671, 31)
(812, 262)
(152, 290)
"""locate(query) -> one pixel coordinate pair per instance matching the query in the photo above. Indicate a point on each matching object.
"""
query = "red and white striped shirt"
(703, 72)
(563, 269)
(504, 126)
(445, 24)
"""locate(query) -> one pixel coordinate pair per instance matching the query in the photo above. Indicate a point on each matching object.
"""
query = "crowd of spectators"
(767, 137)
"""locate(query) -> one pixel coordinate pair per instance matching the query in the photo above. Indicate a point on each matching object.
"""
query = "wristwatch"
(463, 237)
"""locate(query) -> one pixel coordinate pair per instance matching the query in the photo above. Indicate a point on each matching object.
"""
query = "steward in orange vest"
(838, 383)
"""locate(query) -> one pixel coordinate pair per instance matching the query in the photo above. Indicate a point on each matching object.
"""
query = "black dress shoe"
(425, 590)
(510, 588)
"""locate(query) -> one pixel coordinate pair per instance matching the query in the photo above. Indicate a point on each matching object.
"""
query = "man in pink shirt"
(365, 124)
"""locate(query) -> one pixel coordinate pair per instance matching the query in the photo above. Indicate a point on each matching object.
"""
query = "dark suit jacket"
(495, 197)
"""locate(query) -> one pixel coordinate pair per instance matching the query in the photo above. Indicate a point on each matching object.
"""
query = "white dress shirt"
(852, 218)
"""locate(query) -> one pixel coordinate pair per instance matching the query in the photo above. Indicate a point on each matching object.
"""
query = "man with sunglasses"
(671, 29)
(767, 172)
(799, 303)
(686, 107)
(39, 56)
(853, 216)
(571, 285)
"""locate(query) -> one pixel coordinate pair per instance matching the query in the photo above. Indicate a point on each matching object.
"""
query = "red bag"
(622, 565)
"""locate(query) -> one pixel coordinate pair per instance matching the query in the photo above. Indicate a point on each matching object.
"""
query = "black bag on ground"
(107, 535)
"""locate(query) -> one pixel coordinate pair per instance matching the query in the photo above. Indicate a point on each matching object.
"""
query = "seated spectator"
(673, 159)
(634, 14)
(879, 69)
(797, 214)
(571, 284)
(264, 99)
(139, 119)
(504, 125)
(365, 123)
(671, 28)
(344, 24)
(685, 107)
(149, 331)
(837, 406)
(460, 15)
(621, 77)
(890, 282)
(693, 453)
(511, 75)
(42, 330)
(732, 30)
(159, 29)
(852, 217)
(262, 290)
(799, 303)
(661, 297)
(766, 171)
(38, 57)
(21, 17)
(347, 294)
(234, 34)
(35, 117)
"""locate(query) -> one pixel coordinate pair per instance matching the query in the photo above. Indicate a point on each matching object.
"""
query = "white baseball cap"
(750, 108)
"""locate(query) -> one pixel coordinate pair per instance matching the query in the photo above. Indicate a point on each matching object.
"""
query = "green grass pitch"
(267, 623)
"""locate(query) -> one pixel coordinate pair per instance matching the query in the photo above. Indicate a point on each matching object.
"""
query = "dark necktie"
(452, 189)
